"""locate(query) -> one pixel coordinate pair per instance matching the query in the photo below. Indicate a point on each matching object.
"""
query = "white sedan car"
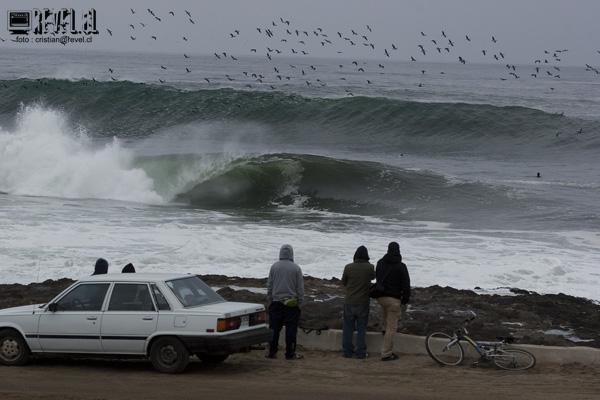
(165, 317)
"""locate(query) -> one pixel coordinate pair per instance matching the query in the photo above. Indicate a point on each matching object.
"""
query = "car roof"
(135, 277)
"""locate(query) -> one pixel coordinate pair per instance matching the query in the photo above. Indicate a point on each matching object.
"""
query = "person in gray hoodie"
(285, 292)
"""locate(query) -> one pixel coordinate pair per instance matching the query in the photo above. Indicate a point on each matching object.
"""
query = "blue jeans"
(356, 317)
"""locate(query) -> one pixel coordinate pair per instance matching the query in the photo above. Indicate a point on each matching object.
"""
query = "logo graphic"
(46, 25)
(19, 22)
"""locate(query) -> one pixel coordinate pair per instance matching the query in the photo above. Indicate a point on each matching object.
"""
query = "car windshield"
(192, 292)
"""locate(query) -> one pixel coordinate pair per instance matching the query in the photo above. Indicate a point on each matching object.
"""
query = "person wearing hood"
(101, 267)
(128, 269)
(393, 282)
(285, 292)
(357, 279)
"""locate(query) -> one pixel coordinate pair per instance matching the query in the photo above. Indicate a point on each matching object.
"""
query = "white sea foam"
(43, 156)
(61, 238)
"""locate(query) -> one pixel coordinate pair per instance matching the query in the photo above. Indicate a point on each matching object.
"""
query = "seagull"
(412, 58)
(113, 78)
(207, 80)
(172, 13)
(132, 10)
(185, 55)
(132, 27)
(161, 81)
(218, 56)
(394, 46)
(423, 34)
(187, 69)
(111, 70)
(184, 38)
(132, 38)
(153, 37)
(483, 51)
(192, 21)
(444, 34)
(188, 13)
(468, 38)
(493, 39)
(108, 30)
(386, 53)
(163, 67)
(143, 24)
(369, 28)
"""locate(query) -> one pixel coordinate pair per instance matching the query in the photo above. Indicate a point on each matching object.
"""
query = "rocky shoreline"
(547, 319)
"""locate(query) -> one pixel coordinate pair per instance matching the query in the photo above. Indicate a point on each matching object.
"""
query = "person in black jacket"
(393, 279)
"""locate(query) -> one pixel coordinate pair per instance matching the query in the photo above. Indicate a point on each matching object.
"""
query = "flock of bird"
(280, 41)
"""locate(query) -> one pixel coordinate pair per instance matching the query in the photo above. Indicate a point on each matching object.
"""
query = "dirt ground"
(319, 375)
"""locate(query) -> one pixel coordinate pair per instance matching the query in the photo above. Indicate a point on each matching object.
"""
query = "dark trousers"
(356, 317)
(280, 316)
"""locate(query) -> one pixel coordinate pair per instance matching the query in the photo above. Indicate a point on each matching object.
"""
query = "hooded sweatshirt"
(101, 267)
(285, 278)
(392, 272)
(357, 278)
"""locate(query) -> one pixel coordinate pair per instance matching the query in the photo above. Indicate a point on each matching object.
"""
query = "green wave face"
(126, 109)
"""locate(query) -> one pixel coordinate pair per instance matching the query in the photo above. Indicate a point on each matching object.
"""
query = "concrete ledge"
(331, 340)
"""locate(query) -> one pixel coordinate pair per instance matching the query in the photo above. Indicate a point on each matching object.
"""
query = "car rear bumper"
(226, 344)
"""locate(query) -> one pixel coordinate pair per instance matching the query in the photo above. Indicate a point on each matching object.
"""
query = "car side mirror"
(52, 307)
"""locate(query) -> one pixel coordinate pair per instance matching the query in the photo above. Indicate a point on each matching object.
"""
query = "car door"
(74, 326)
(130, 318)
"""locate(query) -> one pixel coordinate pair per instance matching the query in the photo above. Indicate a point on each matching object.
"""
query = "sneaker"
(294, 356)
(391, 357)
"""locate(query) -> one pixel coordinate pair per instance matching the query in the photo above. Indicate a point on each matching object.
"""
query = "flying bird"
(108, 30)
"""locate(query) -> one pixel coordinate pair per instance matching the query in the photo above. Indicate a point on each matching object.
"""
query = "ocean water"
(163, 169)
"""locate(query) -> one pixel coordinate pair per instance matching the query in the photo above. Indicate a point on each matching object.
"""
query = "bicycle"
(446, 349)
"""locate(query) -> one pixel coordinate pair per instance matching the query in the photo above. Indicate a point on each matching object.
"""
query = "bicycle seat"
(506, 339)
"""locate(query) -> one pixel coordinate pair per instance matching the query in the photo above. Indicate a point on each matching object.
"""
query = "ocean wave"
(127, 109)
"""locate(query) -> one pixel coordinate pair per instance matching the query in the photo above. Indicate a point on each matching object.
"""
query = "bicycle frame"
(480, 347)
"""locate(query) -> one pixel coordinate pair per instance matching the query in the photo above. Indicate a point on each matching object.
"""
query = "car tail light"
(228, 324)
(257, 318)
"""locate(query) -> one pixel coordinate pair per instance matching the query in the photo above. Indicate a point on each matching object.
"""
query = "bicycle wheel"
(514, 359)
(444, 349)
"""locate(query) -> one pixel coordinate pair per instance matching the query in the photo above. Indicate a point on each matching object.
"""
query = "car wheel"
(169, 355)
(212, 358)
(13, 348)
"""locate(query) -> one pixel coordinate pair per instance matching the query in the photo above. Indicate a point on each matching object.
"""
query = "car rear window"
(192, 292)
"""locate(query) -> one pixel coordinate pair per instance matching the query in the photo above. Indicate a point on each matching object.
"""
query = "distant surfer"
(580, 131)
(538, 175)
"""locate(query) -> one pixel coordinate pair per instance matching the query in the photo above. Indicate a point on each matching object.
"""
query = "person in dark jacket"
(392, 276)
(128, 269)
(357, 279)
(101, 267)
(285, 292)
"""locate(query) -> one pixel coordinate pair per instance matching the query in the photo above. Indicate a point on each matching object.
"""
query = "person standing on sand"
(285, 292)
(394, 281)
(357, 279)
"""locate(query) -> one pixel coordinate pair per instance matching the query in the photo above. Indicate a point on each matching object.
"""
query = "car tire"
(208, 358)
(169, 355)
(13, 348)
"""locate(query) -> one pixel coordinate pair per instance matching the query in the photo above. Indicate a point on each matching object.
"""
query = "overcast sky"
(523, 28)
